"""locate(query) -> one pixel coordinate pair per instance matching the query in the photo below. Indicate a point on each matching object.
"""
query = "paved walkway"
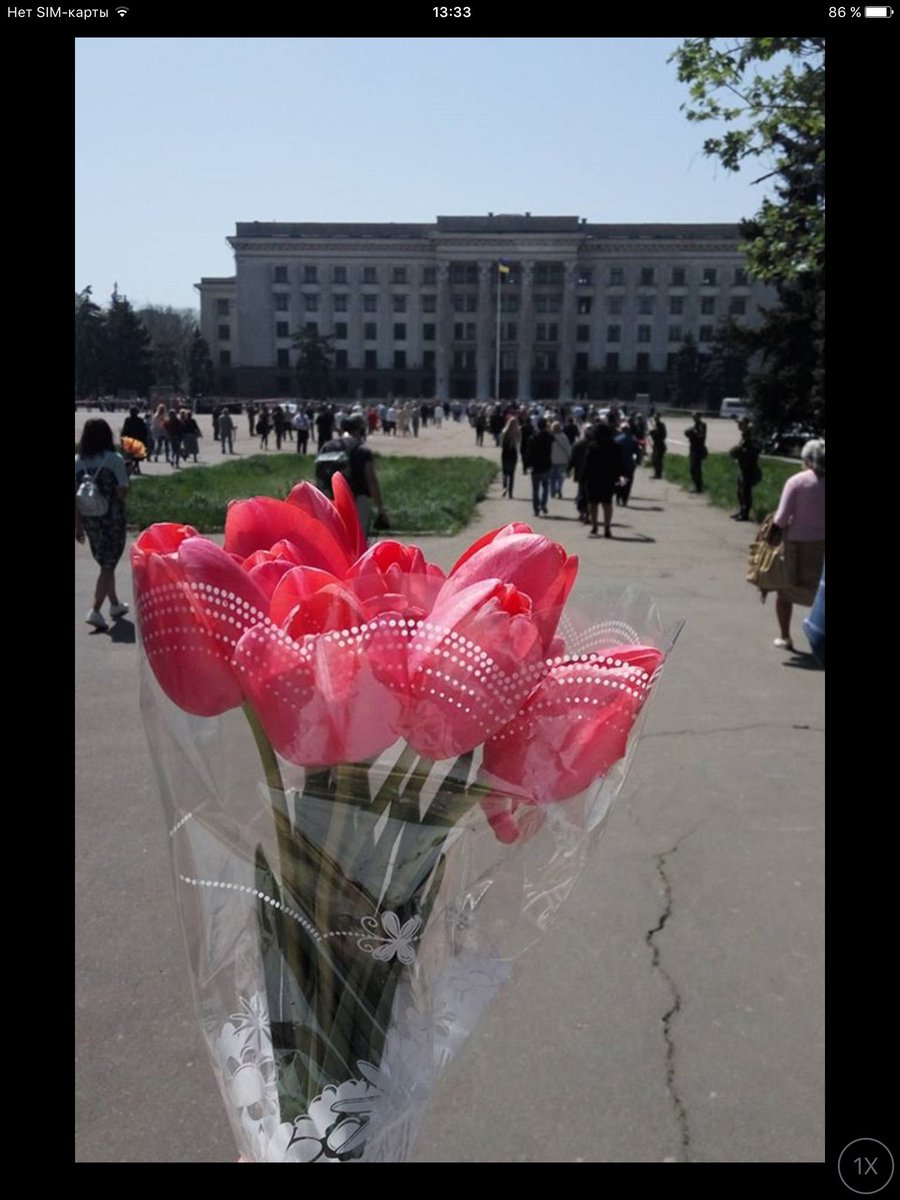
(676, 1012)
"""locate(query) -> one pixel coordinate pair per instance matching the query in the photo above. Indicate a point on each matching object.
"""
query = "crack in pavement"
(730, 729)
(668, 1017)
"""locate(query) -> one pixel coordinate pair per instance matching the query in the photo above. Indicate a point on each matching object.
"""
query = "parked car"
(788, 442)
(734, 408)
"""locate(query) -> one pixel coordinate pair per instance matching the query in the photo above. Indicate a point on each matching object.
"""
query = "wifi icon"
(121, 11)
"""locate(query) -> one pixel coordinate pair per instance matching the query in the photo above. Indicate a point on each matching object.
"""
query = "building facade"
(576, 310)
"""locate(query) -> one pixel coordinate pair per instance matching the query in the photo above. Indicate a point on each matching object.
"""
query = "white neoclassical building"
(543, 307)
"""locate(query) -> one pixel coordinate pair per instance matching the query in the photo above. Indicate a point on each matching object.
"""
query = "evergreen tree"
(687, 375)
(725, 371)
(200, 368)
(90, 346)
(315, 363)
(128, 359)
(171, 333)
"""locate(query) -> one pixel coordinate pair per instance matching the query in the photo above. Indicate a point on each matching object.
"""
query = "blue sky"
(177, 139)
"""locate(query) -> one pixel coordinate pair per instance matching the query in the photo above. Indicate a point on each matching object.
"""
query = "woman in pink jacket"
(801, 521)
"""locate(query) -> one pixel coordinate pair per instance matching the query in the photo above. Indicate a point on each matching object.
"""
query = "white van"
(734, 408)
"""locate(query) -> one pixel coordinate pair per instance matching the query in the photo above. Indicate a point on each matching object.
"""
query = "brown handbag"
(766, 566)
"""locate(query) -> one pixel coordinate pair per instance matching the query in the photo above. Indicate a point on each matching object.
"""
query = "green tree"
(687, 375)
(90, 346)
(200, 368)
(725, 370)
(771, 94)
(315, 363)
(171, 332)
(128, 358)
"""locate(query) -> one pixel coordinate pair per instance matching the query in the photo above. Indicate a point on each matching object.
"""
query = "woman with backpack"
(101, 485)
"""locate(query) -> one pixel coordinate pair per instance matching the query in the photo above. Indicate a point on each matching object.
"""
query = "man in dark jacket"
(540, 463)
(746, 454)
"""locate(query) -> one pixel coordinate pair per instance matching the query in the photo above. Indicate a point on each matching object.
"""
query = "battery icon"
(878, 10)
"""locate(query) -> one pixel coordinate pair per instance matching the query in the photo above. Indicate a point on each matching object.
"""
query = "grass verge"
(436, 496)
(720, 476)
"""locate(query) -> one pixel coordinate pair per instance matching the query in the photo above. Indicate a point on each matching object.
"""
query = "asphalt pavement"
(676, 1011)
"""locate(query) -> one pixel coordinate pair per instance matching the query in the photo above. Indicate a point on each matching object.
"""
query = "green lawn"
(436, 496)
(720, 475)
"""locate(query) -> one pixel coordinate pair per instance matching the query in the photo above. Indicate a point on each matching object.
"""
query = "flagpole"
(497, 363)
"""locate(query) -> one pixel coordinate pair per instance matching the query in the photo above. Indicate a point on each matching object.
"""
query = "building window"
(648, 276)
(545, 360)
(311, 303)
(399, 304)
(707, 305)
(508, 331)
(644, 333)
(370, 275)
(738, 306)
(706, 333)
(583, 333)
(552, 304)
(311, 327)
(284, 359)
(281, 275)
(428, 360)
(310, 274)
(282, 329)
(281, 303)
(463, 360)
(616, 276)
(224, 333)
(340, 331)
(340, 303)
(709, 277)
(615, 304)
(428, 333)
(371, 359)
(548, 273)
(584, 305)
(612, 362)
(339, 275)
(370, 303)
(222, 308)
(581, 362)
(509, 304)
(675, 334)
(678, 277)
(464, 332)
(459, 302)
(399, 331)
(429, 276)
(614, 333)
(370, 331)
(398, 275)
(429, 304)
(547, 332)
(740, 277)
(464, 273)
(224, 358)
(646, 305)
(584, 278)
(340, 359)
(642, 363)
(676, 306)
(399, 360)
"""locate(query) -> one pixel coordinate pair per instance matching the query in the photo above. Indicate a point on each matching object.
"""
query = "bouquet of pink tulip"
(370, 769)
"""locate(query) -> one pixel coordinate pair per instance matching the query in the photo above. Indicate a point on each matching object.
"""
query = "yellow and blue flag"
(503, 267)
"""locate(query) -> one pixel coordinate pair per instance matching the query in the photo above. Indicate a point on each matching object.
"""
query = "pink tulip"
(573, 727)
(252, 525)
(193, 603)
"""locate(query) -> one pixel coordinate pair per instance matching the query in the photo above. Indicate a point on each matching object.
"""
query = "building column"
(525, 322)
(484, 359)
(444, 333)
(567, 340)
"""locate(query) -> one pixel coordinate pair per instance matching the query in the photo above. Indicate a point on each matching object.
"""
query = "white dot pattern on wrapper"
(178, 824)
(168, 620)
(251, 891)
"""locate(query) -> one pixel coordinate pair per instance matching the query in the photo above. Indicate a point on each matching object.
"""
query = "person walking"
(190, 434)
(278, 425)
(600, 472)
(301, 425)
(226, 431)
(629, 452)
(540, 463)
(105, 532)
(173, 433)
(510, 440)
(576, 463)
(658, 445)
(160, 436)
(697, 452)
(800, 520)
(559, 460)
(746, 454)
(263, 427)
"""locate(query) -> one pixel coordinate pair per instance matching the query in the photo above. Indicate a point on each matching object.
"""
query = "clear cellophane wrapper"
(346, 926)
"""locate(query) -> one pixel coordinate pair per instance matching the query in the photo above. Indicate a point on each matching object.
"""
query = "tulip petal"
(256, 524)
